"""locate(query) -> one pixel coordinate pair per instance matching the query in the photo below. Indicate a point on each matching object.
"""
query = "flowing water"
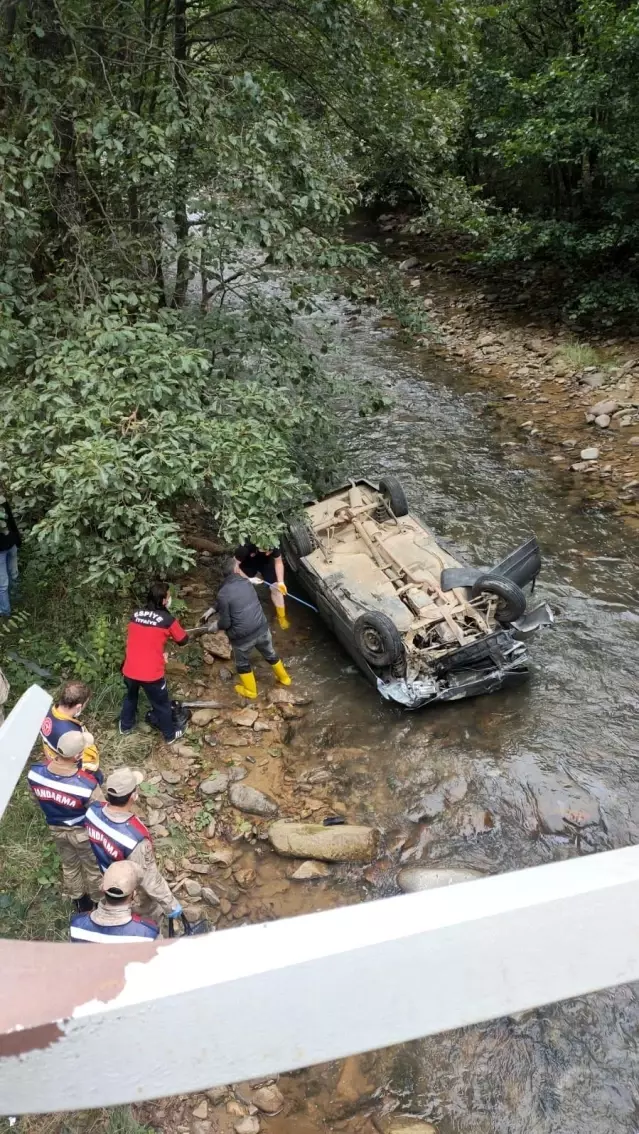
(566, 741)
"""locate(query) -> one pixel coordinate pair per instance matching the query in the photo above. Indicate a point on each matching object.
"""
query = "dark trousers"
(262, 642)
(158, 696)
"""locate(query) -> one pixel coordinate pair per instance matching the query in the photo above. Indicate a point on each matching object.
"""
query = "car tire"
(512, 602)
(394, 495)
(300, 539)
(378, 639)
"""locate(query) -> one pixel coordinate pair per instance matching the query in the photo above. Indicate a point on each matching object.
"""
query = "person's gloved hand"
(176, 911)
(281, 587)
(207, 614)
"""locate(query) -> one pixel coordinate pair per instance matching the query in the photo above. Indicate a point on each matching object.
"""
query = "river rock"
(409, 263)
(249, 799)
(404, 1124)
(219, 646)
(235, 773)
(310, 870)
(209, 896)
(566, 809)
(202, 717)
(429, 806)
(215, 784)
(171, 777)
(222, 853)
(346, 843)
(455, 789)
(217, 1094)
(248, 1125)
(232, 738)
(412, 879)
(268, 1099)
(602, 420)
(475, 821)
(633, 440)
(283, 695)
(194, 890)
(245, 718)
(594, 381)
(607, 407)
(590, 454)
(201, 1110)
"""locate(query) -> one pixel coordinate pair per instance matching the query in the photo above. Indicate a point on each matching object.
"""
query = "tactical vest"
(112, 841)
(52, 728)
(64, 799)
(83, 928)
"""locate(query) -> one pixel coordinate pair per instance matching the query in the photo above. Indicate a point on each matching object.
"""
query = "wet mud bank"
(530, 775)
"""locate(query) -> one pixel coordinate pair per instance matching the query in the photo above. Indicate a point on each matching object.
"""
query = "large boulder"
(414, 878)
(347, 843)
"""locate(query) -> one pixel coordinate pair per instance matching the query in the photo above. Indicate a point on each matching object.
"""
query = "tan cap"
(123, 781)
(71, 744)
(121, 878)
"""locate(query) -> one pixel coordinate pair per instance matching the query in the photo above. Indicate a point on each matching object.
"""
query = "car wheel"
(394, 495)
(300, 539)
(378, 639)
(512, 600)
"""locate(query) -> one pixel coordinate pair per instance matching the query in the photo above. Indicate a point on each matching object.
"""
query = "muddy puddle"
(540, 773)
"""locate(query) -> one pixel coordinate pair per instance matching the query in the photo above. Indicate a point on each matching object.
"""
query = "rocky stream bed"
(531, 775)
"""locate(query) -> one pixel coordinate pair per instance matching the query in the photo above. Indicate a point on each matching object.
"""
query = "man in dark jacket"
(240, 613)
(9, 544)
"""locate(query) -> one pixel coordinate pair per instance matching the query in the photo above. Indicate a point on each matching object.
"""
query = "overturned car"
(422, 626)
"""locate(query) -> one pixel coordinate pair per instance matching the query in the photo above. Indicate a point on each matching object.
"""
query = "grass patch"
(30, 903)
(119, 1120)
(578, 356)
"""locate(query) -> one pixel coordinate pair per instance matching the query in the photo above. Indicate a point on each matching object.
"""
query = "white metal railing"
(97, 1026)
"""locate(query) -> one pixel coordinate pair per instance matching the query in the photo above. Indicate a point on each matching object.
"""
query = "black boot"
(84, 904)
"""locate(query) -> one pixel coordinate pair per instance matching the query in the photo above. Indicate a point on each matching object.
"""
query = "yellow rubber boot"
(281, 674)
(247, 686)
(282, 620)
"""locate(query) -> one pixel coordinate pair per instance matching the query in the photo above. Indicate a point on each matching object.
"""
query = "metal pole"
(101, 1025)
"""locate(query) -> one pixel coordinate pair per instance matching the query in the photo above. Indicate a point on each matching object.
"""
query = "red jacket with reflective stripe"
(147, 636)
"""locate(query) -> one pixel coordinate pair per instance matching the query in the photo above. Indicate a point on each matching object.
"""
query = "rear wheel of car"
(394, 495)
(512, 600)
(378, 639)
(300, 539)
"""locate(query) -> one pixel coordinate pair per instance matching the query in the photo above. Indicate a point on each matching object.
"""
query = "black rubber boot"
(84, 904)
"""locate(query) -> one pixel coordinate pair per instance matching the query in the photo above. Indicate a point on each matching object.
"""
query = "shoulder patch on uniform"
(88, 776)
(138, 825)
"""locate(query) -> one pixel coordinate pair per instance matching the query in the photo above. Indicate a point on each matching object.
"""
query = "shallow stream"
(564, 744)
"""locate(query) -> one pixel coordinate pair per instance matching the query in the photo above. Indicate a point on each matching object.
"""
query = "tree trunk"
(180, 219)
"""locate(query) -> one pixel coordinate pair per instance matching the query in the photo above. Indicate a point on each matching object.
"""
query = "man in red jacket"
(149, 630)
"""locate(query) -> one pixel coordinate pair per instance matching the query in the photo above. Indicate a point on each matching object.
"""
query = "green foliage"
(98, 655)
(30, 905)
(204, 815)
(552, 133)
(154, 156)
